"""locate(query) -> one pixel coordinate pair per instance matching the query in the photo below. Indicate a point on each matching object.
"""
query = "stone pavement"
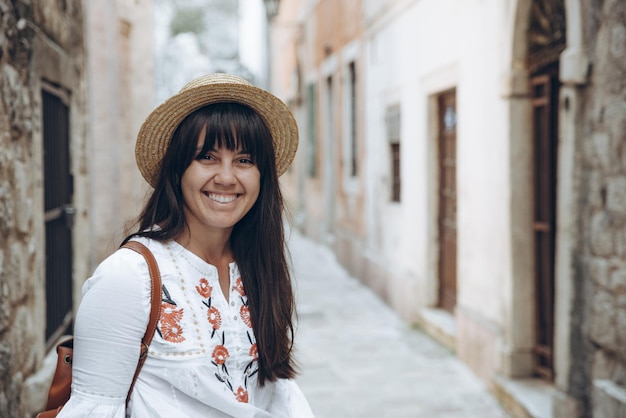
(359, 359)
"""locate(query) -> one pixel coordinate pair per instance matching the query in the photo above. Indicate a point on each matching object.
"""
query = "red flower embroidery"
(204, 288)
(220, 354)
(170, 323)
(171, 313)
(239, 287)
(215, 318)
(245, 315)
(172, 333)
(242, 395)
(254, 352)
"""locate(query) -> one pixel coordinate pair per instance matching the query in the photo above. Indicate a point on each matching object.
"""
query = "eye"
(205, 157)
(245, 159)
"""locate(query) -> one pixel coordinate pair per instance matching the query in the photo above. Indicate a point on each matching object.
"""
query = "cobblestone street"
(359, 359)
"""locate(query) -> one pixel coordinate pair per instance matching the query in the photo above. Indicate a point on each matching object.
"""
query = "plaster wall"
(121, 96)
(410, 57)
(416, 49)
(314, 42)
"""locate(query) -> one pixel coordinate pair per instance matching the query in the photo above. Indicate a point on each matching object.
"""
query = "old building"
(317, 65)
(76, 83)
(477, 180)
(120, 54)
(43, 197)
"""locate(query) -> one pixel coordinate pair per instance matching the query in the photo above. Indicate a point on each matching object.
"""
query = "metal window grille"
(544, 102)
(59, 213)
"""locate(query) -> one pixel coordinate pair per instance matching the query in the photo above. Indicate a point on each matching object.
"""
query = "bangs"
(235, 127)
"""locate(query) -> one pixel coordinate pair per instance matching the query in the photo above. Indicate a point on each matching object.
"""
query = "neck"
(212, 248)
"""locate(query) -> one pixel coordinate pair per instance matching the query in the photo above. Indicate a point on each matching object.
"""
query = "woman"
(223, 347)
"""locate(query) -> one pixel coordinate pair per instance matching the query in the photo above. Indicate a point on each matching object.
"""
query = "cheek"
(191, 175)
(253, 187)
(188, 183)
(257, 184)
(256, 195)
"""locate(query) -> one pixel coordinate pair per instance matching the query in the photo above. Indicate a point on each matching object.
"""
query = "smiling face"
(216, 152)
(219, 187)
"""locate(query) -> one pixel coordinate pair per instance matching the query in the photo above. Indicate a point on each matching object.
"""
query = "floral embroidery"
(250, 371)
(213, 314)
(172, 332)
(215, 318)
(242, 395)
(170, 313)
(244, 312)
(228, 370)
(239, 287)
(254, 352)
(204, 288)
(220, 354)
(171, 317)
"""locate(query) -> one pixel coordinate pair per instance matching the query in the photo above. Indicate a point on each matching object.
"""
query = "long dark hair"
(257, 240)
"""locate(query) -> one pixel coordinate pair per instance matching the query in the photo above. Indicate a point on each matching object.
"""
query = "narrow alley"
(359, 359)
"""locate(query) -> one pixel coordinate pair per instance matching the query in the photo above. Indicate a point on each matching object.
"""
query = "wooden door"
(447, 201)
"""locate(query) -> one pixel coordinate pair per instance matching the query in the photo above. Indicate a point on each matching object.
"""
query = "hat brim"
(158, 128)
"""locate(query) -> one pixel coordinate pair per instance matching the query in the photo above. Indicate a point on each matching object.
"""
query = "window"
(395, 172)
(392, 120)
(352, 114)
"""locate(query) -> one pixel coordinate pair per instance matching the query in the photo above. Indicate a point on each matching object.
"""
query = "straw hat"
(157, 130)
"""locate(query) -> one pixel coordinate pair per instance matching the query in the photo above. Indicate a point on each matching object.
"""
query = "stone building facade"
(597, 342)
(76, 84)
(489, 204)
(42, 58)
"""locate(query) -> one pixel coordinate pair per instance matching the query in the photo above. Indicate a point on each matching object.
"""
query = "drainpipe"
(271, 10)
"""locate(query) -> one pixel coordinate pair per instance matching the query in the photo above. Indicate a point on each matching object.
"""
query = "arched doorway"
(537, 47)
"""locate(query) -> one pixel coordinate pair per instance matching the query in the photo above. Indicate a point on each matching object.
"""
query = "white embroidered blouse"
(202, 361)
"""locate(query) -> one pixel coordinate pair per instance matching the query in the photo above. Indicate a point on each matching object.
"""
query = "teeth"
(222, 198)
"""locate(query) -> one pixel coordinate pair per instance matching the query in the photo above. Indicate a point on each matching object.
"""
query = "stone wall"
(599, 372)
(39, 40)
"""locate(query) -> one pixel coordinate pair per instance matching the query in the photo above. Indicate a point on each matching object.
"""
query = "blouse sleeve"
(110, 322)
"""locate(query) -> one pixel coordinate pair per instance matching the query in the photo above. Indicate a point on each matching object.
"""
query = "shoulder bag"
(59, 392)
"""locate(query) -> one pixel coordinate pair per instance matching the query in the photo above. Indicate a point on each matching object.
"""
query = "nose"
(225, 174)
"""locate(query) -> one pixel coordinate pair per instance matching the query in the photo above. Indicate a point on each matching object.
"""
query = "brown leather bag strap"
(155, 305)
